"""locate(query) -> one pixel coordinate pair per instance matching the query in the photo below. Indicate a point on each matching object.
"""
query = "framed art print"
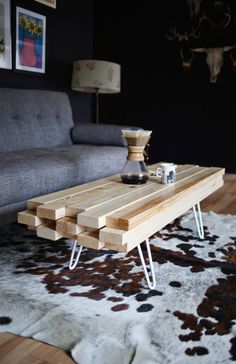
(5, 35)
(30, 41)
(52, 3)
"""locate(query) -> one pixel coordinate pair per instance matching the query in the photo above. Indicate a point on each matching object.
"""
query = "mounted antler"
(2, 46)
(194, 8)
(173, 34)
(225, 21)
(233, 59)
(218, 15)
(187, 58)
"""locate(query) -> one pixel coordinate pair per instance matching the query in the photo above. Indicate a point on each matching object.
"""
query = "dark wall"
(69, 36)
(192, 119)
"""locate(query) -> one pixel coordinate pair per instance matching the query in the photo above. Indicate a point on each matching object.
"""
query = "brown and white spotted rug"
(103, 312)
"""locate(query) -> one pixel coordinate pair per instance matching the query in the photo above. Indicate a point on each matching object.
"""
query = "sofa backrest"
(34, 119)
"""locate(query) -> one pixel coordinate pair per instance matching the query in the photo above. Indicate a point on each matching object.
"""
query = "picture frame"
(30, 41)
(5, 35)
(51, 3)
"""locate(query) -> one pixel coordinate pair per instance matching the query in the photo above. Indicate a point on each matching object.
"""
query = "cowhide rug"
(103, 312)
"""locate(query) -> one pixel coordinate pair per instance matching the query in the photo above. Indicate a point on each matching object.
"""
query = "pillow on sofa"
(99, 134)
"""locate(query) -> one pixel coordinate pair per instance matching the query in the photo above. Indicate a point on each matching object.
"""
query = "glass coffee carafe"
(135, 170)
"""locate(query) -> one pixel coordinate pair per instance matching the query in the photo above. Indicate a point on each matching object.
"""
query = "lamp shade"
(96, 76)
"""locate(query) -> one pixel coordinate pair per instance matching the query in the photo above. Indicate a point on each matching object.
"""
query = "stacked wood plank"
(108, 213)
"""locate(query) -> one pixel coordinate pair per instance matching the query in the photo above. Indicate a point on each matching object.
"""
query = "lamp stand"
(97, 107)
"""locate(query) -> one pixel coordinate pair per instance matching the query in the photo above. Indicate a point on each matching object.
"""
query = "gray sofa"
(42, 151)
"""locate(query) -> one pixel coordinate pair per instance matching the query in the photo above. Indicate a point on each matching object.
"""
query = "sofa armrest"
(99, 134)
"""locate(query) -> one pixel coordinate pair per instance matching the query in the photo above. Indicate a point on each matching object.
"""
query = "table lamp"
(96, 76)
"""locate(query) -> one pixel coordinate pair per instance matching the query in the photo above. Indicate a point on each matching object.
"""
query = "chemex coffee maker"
(135, 170)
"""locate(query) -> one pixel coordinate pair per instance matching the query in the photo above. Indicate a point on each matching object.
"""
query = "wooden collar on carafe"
(135, 153)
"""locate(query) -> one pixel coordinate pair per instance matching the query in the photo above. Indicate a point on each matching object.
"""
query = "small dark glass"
(134, 180)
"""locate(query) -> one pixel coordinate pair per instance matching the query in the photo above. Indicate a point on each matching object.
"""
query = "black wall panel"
(190, 117)
(69, 36)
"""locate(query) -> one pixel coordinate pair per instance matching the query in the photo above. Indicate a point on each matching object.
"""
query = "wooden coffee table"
(107, 213)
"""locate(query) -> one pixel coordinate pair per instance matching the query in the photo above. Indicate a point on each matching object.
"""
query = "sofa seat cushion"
(30, 173)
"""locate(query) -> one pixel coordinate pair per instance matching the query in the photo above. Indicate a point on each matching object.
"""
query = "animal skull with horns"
(214, 59)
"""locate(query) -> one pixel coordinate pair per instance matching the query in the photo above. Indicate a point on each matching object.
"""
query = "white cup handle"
(159, 172)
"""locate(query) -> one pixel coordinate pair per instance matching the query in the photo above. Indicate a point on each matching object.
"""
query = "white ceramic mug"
(167, 172)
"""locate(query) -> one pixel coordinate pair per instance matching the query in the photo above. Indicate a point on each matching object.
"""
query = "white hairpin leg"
(198, 218)
(74, 261)
(153, 284)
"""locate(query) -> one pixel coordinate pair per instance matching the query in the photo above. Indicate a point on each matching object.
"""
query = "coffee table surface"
(108, 213)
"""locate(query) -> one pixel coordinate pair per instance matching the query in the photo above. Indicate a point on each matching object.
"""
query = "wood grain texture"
(126, 240)
(68, 192)
(71, 205)
(90, 239)
(223, 201)
(95, 217)
(19, 350)
(122, 214)
(28, 217)
(48, 231)
(133, 215)
(68, 225)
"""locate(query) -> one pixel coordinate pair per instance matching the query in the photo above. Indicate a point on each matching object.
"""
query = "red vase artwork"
(28, 56)
(31, 40)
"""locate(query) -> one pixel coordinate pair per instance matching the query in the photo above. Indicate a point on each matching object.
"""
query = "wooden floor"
(19, 350)
(223, 201)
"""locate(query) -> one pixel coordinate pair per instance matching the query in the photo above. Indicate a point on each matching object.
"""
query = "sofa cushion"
(34, 172)
(99, 134)
(34, 119)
